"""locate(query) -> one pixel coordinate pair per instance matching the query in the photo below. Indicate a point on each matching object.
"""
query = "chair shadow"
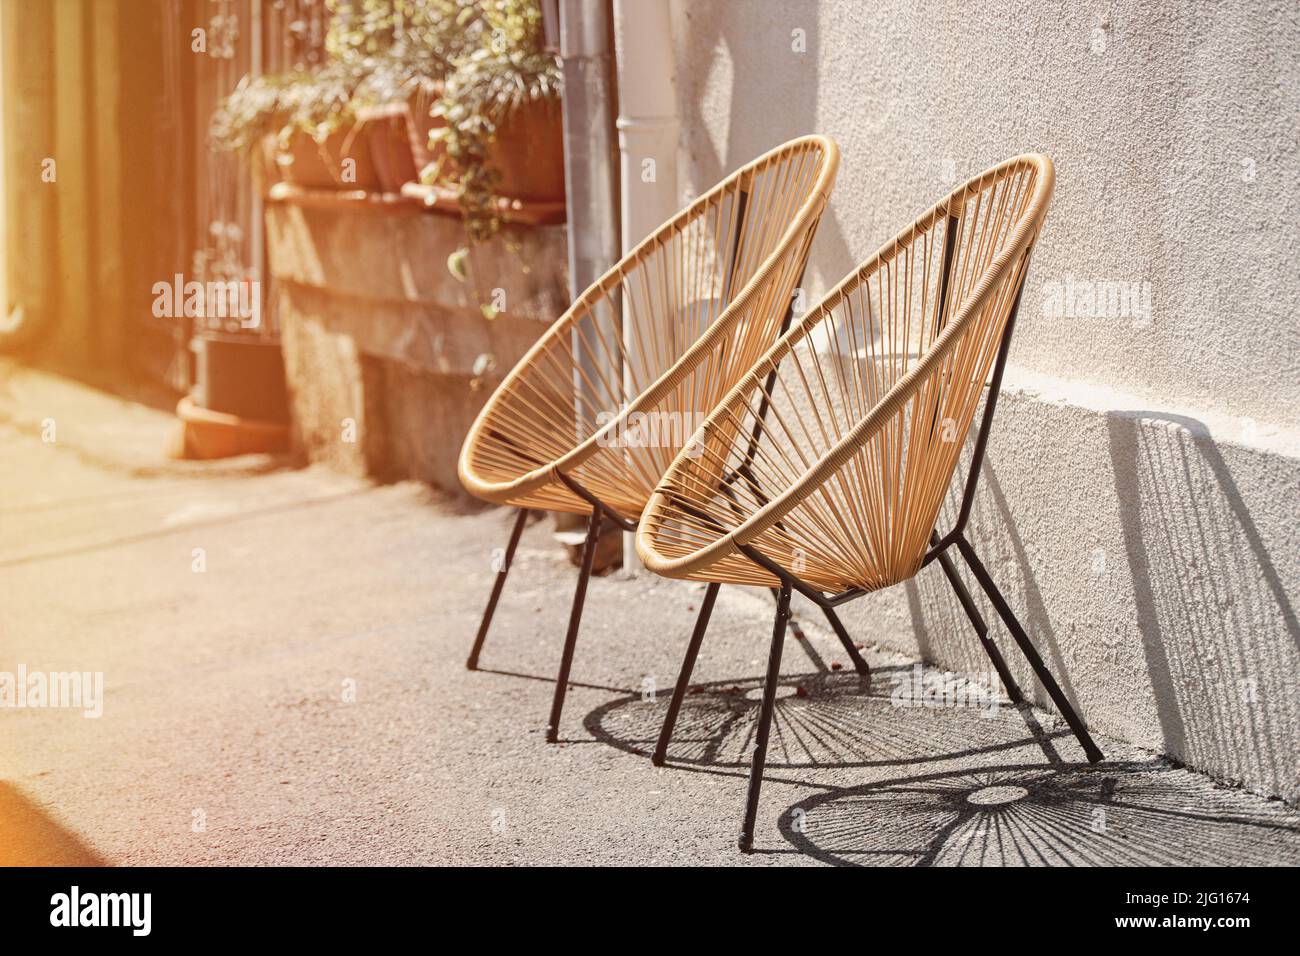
(821, 719)
(1137, 814)
(542, 678)
(1215, 633)
(31, 837)
(1207, 589)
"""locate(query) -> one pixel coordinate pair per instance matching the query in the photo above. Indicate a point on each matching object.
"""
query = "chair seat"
(670, 540)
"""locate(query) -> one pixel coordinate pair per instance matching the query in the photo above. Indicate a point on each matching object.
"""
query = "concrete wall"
(384, 350)
(1139, 502)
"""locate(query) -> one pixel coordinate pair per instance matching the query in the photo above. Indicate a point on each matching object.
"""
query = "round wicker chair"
(861, 412)
(590, 417)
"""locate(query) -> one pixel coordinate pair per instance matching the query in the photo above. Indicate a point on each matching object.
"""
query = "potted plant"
(405, 79)
(502, 134)
(463, 90)
(303, 123)
(403, 49)
(370, 102)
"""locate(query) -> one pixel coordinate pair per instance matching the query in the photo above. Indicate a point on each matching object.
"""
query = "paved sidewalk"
(284, 682)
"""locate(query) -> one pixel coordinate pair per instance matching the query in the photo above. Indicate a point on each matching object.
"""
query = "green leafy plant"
(475, 60)
(402, 48)
(377, 51)
(507, 67)
(316, 103)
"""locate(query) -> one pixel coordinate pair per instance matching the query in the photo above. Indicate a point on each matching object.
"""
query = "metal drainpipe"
(647, 130)
(590, 157)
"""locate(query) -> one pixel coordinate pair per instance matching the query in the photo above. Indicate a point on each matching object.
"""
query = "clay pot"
(529, 153)
(387, 130)
(206, 434)
(313, 165)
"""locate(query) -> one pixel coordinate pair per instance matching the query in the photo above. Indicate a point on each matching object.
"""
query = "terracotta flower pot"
(529, 153)
(421, 123)
(313, 165)
(206, 434)
(387, 131)
(398, 138)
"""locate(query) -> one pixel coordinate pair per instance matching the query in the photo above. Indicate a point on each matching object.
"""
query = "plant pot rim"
(190, 411)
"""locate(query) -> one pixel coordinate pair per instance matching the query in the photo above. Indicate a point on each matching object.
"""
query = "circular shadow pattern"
(1130, 815)
(826, 718)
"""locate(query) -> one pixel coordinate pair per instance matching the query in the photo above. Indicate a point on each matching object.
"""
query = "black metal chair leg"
(684, 676)
(575, 619)
(497, 586)
(850, 648)
(795, 628)
(764, 729)
(1027, 648)
(981, 628)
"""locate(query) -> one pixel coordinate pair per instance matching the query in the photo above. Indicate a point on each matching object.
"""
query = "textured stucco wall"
(1140, 499)
(1149, 136)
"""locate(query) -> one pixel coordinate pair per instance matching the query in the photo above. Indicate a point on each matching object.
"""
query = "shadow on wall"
(717, 40)
(931, 600)
(31, 837)
(1218, 628)
(1196, 621)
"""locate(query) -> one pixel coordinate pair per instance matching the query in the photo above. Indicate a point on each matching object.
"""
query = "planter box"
(381, 342)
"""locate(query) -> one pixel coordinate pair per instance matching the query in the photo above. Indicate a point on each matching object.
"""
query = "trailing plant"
(507, 67)
(316, 103)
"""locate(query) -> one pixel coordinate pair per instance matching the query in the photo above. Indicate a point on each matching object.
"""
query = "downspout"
(647, 131)
(590, 161)
(590, 157)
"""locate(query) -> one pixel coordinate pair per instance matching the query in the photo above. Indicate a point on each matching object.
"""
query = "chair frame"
(938, 551)
(602, 511)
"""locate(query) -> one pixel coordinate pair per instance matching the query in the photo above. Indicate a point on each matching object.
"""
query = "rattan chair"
(861, 412)
(593, 414)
